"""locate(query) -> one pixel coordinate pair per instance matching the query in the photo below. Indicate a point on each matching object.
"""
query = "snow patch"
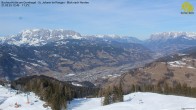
(8, 98)
(17, 59)
(76, 84)
(42, 62)
(191, 67)
(177, 64)
(35, 64)
(71, 74)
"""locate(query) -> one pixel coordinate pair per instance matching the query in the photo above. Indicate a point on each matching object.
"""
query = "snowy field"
(137, 101)
(134, 101)
(8, 98)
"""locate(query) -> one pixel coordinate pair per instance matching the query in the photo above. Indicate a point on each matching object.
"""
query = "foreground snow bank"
(8, 98)
(137, 101)
(134, 101)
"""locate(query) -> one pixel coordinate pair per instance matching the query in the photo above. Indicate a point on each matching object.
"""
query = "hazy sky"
(137, 18)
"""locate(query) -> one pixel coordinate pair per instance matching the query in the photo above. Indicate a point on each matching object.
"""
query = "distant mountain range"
(63, 54)
(165, 42)
(68, 55)
(171, 42)
(39, 37)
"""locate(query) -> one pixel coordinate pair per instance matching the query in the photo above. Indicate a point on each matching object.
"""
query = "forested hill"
(55, 93)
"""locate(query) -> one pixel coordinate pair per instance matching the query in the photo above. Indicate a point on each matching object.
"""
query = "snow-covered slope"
(84, 104)
(133, 101)
(8, 98)
(137, 101)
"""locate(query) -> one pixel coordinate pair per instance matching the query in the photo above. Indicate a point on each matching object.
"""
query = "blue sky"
(137, 18)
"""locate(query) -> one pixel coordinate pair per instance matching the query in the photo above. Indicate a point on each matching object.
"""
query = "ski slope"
(8, 98)
(133, 101)
(137, 101)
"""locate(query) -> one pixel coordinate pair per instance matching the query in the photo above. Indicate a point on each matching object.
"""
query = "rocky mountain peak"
(37, 37)
(172, 35)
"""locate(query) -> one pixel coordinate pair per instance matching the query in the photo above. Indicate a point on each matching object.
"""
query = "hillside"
(171, 70)
(65, 54)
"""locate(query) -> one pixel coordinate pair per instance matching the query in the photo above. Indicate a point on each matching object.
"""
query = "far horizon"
(133, 18)
(101, 34)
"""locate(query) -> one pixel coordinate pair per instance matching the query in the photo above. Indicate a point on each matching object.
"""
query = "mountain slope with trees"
(56, 93)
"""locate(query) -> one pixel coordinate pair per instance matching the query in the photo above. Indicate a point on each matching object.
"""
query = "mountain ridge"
(38, 37)
(170, 35)
(65, 54)
(170, 42)
(70, 56)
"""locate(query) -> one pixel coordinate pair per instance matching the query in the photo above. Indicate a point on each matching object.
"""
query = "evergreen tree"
(120, 93)
(106, 97)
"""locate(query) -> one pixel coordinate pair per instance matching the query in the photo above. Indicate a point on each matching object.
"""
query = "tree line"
(111, 95)
(177, 89)
(57, 93)
(115, 94)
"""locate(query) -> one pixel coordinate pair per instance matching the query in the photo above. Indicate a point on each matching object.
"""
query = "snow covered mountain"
(39, 37)
(113, 37)
(59, 53)
(69, 56)
(173, 35)
(171, 42)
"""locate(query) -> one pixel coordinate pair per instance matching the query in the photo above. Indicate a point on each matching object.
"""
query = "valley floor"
(137, 101)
